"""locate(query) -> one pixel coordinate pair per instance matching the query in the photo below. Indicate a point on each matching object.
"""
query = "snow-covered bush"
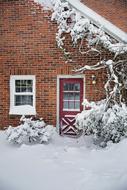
(30, 130)
(105, 125)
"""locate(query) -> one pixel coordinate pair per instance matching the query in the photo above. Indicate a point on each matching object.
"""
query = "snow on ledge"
(45, 3)
(99, 21)
(22, 110)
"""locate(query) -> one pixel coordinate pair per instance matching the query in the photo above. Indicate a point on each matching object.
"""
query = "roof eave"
(108, 27)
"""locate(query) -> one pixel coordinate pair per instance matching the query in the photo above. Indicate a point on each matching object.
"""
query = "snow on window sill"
(22, 110)
(71, 109)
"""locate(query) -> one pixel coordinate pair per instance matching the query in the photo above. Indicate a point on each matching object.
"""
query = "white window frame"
(23, 109)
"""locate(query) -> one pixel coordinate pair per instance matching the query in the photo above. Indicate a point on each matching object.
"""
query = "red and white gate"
(71, 97)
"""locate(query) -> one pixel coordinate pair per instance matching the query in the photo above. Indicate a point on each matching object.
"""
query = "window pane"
(77, 87)
(77, 105)
(77, 96)
(17, 85)
(71, 87)
(23, 100)
(71, 105)
(17, 100)
(17, 82)
(68, 87)
(71, 96)
(23, 85)
(29, 85)
(66, 96)
(65, 105)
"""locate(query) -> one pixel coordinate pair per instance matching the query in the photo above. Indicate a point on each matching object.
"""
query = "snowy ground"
(64, 164)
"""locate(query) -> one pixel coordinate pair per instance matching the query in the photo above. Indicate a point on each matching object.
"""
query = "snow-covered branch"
(99, 65)
(71, 21)
(80, 28)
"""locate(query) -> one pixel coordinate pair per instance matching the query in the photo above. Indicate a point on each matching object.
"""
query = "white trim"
(71, 109)
(70, 76)
(69, 115)
(25, 109)
(58, 94)
(99, 21)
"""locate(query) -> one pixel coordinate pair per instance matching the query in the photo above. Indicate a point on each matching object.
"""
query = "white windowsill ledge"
(74, 110)
(22, 110)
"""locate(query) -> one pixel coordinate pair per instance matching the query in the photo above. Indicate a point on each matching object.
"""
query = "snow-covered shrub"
(30, 130)
(105, 125)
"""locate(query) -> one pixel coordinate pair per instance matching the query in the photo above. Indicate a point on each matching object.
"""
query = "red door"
(71, 97)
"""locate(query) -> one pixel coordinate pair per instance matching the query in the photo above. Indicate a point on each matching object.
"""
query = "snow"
(63, 164)
(46, 3)
(30, 130)
(81, 28)
(22, 110)
(100, 21)
(97, 19)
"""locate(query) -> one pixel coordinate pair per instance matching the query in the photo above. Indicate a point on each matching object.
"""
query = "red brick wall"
(113, 10)
(28, 47)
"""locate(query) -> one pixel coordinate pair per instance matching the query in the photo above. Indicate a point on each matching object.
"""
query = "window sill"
(74, 110)
(22, 110)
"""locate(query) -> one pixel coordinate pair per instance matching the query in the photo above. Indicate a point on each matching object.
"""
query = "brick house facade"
(28, 48)
(113, 10)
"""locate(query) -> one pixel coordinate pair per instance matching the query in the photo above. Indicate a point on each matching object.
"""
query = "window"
(22, 95)
(71, 96)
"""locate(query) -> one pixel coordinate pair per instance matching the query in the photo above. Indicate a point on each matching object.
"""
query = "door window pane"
(66, 95)
(65, 105)
(77, 105)
(71, 87)
(77, 87)
(71, 105)
(77, 96)
(66, 86)
(71, 96)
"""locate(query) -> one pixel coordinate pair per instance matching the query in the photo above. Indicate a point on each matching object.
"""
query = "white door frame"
(58, 94)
